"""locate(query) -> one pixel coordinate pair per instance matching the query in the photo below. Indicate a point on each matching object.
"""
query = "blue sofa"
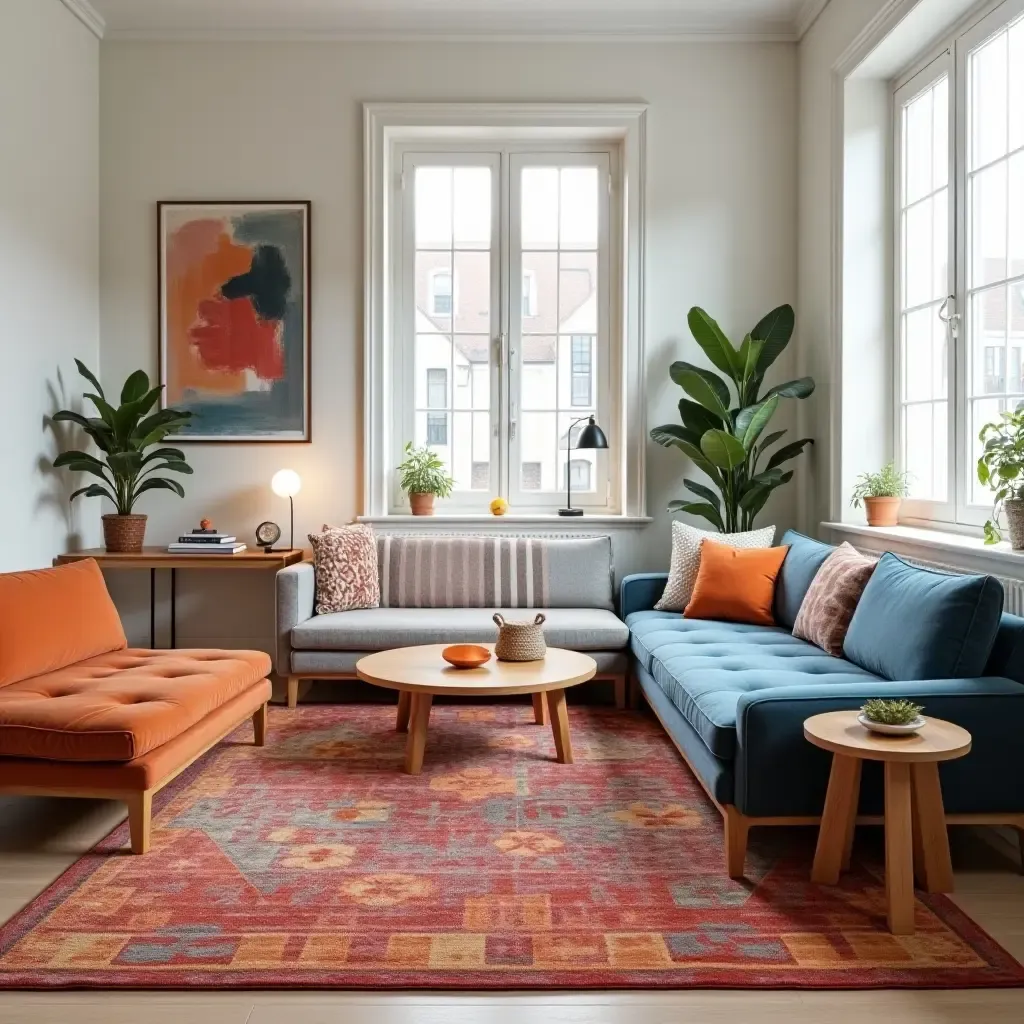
(733, 698)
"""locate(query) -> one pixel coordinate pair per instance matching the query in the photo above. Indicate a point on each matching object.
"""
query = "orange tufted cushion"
(50, 618)
(120, 705)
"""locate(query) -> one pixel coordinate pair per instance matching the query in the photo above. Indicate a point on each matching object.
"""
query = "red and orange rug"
(315, 863)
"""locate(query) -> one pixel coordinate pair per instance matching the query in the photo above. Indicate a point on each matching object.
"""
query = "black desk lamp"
(591, 436)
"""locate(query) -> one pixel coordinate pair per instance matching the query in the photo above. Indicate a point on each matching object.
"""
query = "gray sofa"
(446, 590)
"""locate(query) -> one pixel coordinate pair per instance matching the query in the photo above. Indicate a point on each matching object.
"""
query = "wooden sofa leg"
(259, 725)
(736, 831)
(293, 691)
(140, 819)
(620, 692)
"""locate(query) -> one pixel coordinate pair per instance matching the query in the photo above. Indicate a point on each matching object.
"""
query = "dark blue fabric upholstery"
(1007, 657)
(803, 560)
(640, 592)
(917, 623)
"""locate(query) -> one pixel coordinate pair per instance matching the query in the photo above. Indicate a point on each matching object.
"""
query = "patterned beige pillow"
(682, 573)
(832, 597)
(345, 561)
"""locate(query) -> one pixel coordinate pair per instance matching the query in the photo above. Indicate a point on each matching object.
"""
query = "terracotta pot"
(882, 511)
(421, 504)
(124, 534)
(1014, 509)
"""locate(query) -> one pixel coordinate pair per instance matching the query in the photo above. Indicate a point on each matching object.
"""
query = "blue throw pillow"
(803, 560)
(914, 623)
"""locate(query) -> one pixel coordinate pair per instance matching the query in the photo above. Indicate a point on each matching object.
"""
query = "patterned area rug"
(315, 863)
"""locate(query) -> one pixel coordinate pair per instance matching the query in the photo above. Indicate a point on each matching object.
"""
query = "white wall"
(283, 120)
(49, 288)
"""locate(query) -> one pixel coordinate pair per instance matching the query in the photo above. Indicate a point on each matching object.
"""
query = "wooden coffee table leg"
(560, 725)
(836, 831)
(540, 709)
(417, 742)
(404, 706)
(930, 835)
(899, 853)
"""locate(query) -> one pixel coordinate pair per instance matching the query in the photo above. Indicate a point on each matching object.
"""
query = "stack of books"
(206, 542)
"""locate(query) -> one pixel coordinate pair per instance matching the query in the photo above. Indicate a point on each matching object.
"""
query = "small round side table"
(915, 823)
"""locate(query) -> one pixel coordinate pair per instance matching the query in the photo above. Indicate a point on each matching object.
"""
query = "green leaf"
(696, 417)
(106, 411)
(750, 353)
(89, 376)
(699, 459)
(774, 330)
(66, 458)
(774, 436)
(166, 419)
(715, 344)
(752, 420)
(158, 483)
(698, 508)
(704, 492)
(992, 534)
(801, 388)
(135, 387)
(125, 463)
(95, 428)
(93, 491)
(171, 454)
(789, 451)
(670, 433)
(176, 466)
(710, 391)
(723, 450)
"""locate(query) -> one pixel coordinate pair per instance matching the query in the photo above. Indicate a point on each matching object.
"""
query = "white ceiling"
(534, 19)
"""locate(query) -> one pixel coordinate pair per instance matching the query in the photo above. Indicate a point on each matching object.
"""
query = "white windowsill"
(510, 521)
(956, 549)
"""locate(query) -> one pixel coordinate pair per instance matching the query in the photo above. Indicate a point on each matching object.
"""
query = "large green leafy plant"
(724, 418)
(1001, 466)
(423, 472)
(124, 436)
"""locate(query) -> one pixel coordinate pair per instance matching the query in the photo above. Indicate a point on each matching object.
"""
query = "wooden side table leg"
(404, 707)
(930, 833)
(837, 820)
(560, 725)
(540, 709)
(899, 855)
(417, 742)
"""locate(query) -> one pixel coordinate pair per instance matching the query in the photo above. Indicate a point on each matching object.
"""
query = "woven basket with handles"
(520, 641)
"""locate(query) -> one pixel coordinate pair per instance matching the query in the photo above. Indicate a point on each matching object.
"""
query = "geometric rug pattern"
(314, 862)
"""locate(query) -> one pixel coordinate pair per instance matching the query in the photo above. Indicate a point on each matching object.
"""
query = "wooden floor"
(41, 837)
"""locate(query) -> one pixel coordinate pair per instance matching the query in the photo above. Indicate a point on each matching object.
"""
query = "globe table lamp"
(591, 437)
(286, 484)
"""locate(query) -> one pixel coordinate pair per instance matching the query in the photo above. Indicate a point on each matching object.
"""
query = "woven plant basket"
(124, 534)
(1014, 509)
(520, 641)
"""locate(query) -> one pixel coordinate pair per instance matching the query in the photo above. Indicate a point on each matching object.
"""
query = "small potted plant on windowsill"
(423, 479)
(881, 494)
(1001, 467)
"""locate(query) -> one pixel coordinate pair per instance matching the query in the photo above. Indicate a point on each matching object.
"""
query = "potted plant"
(881, 494)
(1001, 467)
(895, 717)
(124, 436)
(724, 440)
(423, 479)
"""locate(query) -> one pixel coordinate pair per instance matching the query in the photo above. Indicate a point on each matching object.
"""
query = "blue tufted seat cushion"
(704, 667)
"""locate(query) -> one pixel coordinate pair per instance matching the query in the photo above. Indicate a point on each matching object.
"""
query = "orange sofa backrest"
(52, 618)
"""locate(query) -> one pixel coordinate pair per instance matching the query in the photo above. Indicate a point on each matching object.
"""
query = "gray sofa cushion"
(378, 629)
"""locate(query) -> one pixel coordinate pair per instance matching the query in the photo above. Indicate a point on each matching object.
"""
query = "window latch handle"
(948, 313)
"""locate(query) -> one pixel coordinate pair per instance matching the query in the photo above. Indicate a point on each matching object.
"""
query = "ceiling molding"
(87, 15)
(807, 15)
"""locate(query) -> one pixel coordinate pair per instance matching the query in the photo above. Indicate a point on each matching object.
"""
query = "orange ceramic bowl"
(466, 655)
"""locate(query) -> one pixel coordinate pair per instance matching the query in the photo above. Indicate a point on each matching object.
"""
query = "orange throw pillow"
(52, 618)
(734, 584)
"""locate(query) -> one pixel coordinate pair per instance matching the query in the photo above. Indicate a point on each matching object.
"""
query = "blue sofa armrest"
(641, 592)
(778, 772)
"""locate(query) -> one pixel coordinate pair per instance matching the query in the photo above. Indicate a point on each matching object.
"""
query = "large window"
(960, 260)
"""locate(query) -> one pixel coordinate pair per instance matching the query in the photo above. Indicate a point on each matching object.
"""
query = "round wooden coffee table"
(915, 823)
(420, 674)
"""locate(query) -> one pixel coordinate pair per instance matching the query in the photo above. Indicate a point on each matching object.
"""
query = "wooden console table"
(159, 558)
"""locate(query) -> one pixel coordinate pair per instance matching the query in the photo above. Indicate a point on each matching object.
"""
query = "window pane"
(577, 293)
(437, 429)
(538, 439)
(472, 388)
(540, 373)
(433, 362)
(472, 191)
(925, 450)
(576, 372)
(918, 122)
(989, 86)
(433, 285)
(433, 203)
(988, 225)
(983, 411)
(918, 248)
(941, 284)
(1016, 62)
(987, 331)
(437, 389)
(578, 218)
(540, 208)
(542, 267)
(918, 373)
(1015, 219)
(473, 284)
(940, 134)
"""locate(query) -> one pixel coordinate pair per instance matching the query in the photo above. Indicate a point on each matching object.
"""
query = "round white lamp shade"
(286, 483)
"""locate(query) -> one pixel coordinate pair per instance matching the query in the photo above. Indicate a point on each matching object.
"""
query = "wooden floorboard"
(43, 836)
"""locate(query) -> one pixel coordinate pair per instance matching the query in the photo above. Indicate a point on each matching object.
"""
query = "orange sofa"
(82, 714)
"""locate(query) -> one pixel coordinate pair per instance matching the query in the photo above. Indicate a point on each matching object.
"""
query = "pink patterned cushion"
(345, 560)
(832, 597)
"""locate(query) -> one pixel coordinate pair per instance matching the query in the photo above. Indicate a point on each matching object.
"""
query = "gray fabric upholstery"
(296, 587)
(307, 663)
(378, 629)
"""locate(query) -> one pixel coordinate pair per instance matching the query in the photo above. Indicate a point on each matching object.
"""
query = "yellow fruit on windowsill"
(499, 507)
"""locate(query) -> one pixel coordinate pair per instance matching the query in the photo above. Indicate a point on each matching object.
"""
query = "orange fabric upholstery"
(735, 584)
(121, 705)
(19, 774)
(51, 618)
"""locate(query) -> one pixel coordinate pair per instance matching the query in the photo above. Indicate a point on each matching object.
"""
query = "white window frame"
(950, 57)
(390, 129)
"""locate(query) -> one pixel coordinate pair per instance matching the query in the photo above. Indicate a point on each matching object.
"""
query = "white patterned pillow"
(682, 573)
(345, 561)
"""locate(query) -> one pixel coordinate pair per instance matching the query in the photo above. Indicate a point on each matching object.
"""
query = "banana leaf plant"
(726, 441)
(123, 435)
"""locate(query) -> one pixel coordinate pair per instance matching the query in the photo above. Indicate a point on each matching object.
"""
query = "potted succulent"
(881, 494)
(1001, 467)
(125, 436)
(893, 717)
(424, 478)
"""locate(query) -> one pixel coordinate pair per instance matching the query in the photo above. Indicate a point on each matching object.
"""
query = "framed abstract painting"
(234, 319)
